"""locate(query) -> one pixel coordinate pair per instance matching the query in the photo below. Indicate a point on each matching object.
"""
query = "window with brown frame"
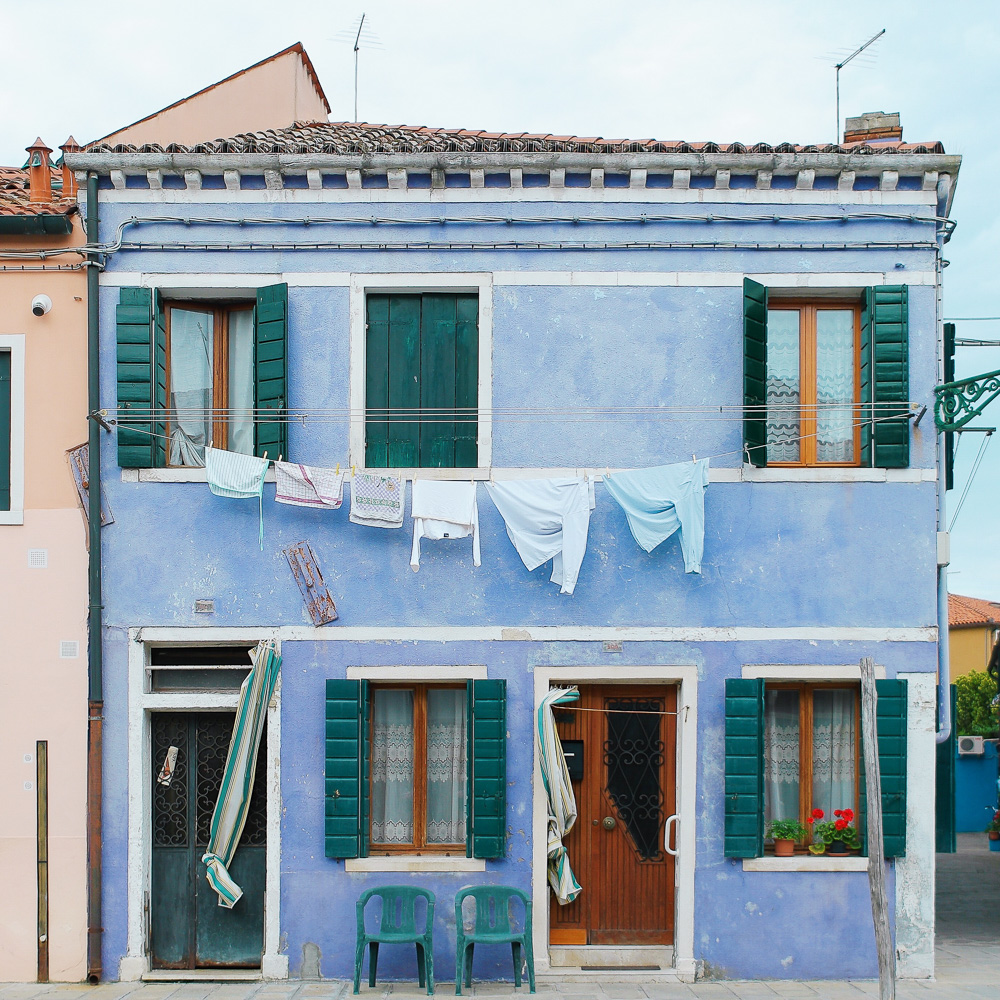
(419, 771)
(210, 379)
(811, 749)
(813, 383)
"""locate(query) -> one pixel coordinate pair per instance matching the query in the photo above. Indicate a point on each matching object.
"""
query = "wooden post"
(876, 847)
(42, 855)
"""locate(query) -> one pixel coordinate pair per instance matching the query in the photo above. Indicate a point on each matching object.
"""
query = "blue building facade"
(628, 306)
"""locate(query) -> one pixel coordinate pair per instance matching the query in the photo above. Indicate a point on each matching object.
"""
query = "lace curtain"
(781, 755)
(835, 385)
(191, 352)
(834, 750)
(393, 766)
(241, 381)
(783, 388)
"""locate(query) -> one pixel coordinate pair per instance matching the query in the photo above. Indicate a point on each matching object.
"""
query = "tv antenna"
(357, 49)
(838, 67)
(358, 35)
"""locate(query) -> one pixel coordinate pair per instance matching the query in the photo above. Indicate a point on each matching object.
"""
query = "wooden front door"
(627, 735)
(187, 927)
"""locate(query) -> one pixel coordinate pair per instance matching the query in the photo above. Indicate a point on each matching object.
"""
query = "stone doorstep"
(202, 976)
(630, 977)
(587, 956)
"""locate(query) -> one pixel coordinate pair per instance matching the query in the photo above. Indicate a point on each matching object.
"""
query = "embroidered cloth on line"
(306, 486)
(660, 500)
(239, 477)
(444, 510)
(547, 519)
(378, 501)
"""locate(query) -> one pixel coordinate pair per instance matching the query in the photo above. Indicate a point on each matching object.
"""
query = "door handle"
(675, 820)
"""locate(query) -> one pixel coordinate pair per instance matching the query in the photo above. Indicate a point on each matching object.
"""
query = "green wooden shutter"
(404, 382)
(755, 370)
(890, 718)
(890, 376)
(135, 379)
(5, 422)
(376, 381)
(949, 436)
(866, 379)
(159, 381)
(347, 769)
(944, 788)
(744, 781)
(271, 371)
(486, 796)
(467, 381)
(438, 353)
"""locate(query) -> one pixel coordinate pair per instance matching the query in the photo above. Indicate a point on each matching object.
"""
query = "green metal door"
(188, 929)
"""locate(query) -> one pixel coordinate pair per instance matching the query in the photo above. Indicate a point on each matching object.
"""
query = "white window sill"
(11, 517)
(813, 863)
(413, 863)
(191, 475)
(751, 474)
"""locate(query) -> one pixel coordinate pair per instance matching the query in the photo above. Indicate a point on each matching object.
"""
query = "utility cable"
(972, 475)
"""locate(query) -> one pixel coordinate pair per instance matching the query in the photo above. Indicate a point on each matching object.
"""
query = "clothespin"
(337, 470)
(265, 456)
(353, 467)
(607, 471)
(693, 459)
(279, 456)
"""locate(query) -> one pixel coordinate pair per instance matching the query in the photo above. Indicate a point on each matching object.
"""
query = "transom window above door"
(421, 380)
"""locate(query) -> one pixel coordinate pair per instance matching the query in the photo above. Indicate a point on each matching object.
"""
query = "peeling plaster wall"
(777, 554)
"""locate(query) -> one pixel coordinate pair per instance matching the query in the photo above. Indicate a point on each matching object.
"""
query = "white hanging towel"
(239, 477)
(378, 500)
(547, 519)
(444, 510)
(306, 486)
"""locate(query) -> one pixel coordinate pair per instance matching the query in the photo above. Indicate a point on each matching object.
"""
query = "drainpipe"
(95, 687)
(944, 659)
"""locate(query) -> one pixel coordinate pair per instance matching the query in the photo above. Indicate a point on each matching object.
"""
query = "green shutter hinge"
(956, 403)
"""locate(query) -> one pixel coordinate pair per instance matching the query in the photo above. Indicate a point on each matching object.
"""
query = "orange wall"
(45, 694)
(969, 649)
(272, 95)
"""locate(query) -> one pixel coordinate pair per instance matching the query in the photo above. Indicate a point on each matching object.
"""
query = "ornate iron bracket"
(956, 403)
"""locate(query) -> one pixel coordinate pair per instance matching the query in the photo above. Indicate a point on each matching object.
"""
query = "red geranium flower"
(817, 813)
(810, 821)
(848, 814)
(837, 812)
(840, 824)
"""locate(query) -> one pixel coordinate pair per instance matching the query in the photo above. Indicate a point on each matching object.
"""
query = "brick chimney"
(39, 172)
(68, 176)
(873, 126)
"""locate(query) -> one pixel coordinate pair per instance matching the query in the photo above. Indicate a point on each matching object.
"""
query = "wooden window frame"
(805, 691)
(220, 312)
(807, 310)
(419, 845)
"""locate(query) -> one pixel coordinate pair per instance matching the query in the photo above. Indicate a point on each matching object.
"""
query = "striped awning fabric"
(231, 809)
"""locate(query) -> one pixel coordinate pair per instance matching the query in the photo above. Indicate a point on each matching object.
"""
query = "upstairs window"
(197, 373)
(421, 380)
(5, 429)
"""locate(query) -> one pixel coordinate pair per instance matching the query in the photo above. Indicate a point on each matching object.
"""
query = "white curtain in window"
(392, 768)
(446, 766)
(835, 385)
(241, 382)
(191, 353)
(834, 751)
(781, 755)
(783, 385)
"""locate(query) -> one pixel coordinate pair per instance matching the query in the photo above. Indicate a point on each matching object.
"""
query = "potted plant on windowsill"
(837, 837)
(993, 831)
(785, 833)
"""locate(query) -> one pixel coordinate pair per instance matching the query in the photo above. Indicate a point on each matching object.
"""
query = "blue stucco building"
(492, 309)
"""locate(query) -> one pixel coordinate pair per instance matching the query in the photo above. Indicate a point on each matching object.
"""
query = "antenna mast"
(839, 67)
(361, 24)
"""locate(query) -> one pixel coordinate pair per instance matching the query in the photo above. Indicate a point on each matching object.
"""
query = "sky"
(748, 71)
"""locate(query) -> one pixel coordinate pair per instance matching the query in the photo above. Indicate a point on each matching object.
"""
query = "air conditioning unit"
(970, 746)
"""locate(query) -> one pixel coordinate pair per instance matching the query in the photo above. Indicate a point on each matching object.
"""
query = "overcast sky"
(754, 70)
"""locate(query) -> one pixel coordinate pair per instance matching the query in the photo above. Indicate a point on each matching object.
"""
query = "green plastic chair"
(493, 925)
(397, 925)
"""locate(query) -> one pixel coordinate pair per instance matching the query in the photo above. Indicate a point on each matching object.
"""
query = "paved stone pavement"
(967, 960)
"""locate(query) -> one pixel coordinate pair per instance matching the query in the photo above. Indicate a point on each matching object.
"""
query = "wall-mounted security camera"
(41, 304)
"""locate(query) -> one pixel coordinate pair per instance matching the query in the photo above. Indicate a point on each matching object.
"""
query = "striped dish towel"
(305, 486)
(239, 477)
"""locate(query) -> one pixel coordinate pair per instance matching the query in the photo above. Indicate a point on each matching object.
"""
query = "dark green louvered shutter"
(134, 320)
(890, 379)
(744, 781)
(866, 379)
(949, 436)
(271, 371)
(5, 422)
(347, 769)
(487, 793)
(944, 788)
(159, 381)
(755, 371)
(890, 720)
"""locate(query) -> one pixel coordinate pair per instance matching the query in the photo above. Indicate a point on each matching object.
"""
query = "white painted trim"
(414, 863)
(459, 281)
(141, 702)
(850, 280)
(915, 873)
(819, 672)
(175, 475)
(751, 474)
(425, 672)
(820, 863)
(535, 633)
(686, 677)
(14, 343)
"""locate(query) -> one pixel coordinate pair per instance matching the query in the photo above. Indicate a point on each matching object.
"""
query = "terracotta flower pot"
(784, 848)
(994, 834)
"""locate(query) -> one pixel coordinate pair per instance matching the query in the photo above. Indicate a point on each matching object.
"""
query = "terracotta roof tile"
(364, 138)
(14, 195)
(972, 611)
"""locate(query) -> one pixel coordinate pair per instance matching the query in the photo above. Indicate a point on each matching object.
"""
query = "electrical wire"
(972, 475)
